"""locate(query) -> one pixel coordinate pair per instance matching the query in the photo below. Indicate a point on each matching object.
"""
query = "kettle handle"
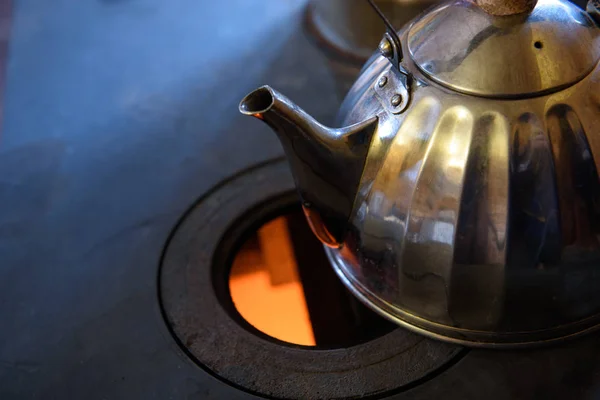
(593, 9)
(390, 46)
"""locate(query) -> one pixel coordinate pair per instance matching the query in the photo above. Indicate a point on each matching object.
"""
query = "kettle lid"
(461, 46)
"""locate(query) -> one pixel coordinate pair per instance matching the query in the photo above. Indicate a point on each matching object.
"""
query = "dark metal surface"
(5, 26)
(118, 116)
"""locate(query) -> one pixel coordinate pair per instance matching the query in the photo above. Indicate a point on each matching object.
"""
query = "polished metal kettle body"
(462, 200)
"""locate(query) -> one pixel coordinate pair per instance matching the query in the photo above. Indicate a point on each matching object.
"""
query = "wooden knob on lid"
(506, 7)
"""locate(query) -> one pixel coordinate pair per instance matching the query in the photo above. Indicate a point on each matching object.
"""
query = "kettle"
(461, 197)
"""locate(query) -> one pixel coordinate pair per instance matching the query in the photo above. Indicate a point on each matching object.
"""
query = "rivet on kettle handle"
(392, 91)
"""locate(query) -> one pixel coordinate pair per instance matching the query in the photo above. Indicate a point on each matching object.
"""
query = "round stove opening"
(281, 283)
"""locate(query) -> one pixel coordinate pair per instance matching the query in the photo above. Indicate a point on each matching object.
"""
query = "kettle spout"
(326, 163)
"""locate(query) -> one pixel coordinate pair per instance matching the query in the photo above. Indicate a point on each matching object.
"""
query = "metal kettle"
(461, 199)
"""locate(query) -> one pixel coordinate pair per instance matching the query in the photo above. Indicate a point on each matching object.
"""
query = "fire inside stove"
(282, 284)
(265, 286)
